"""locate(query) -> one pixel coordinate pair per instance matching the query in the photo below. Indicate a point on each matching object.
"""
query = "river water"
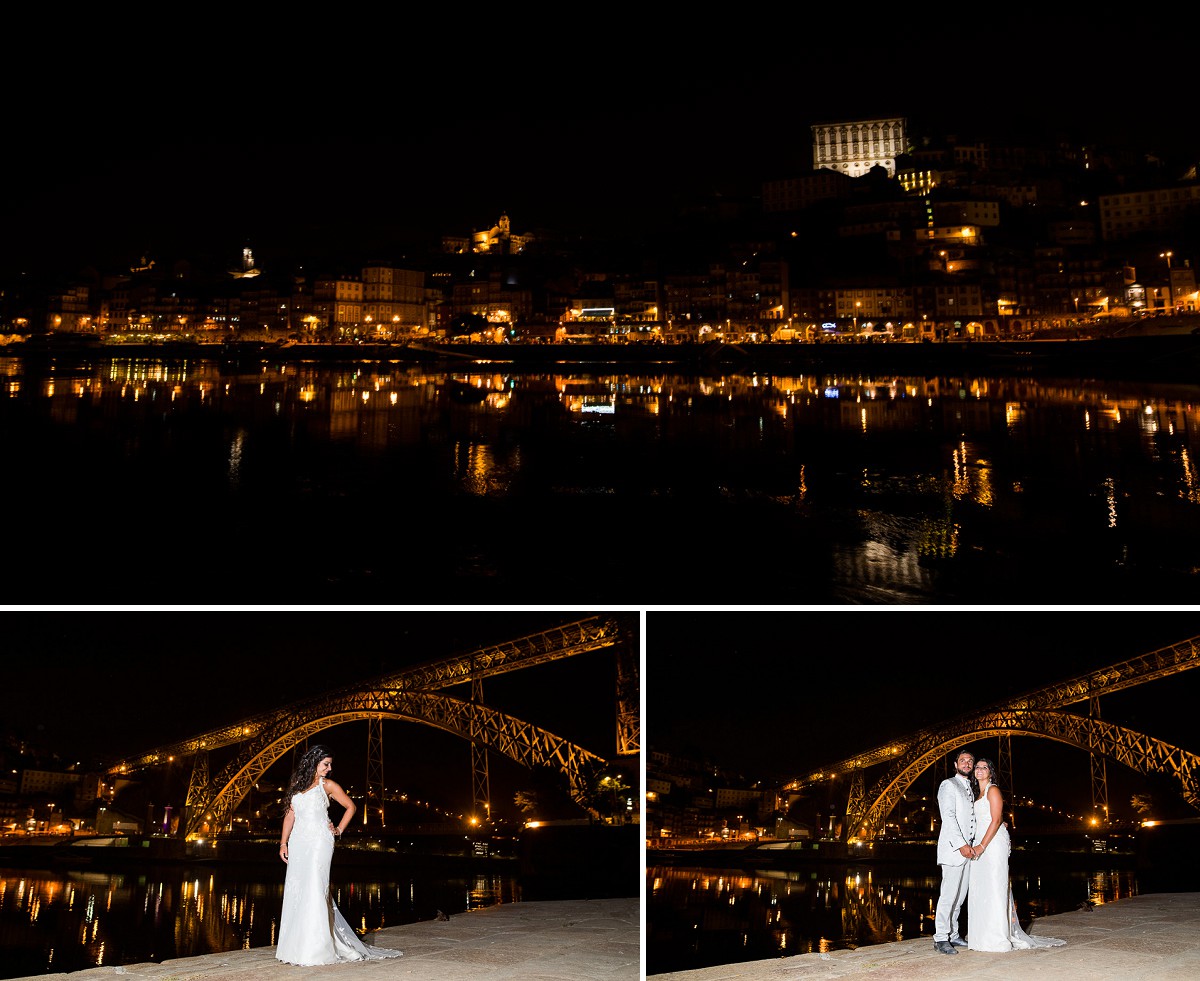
(159, 481)
(703, 917)
(65, 920)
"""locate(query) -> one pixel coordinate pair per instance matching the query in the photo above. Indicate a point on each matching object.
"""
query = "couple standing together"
(972, 850)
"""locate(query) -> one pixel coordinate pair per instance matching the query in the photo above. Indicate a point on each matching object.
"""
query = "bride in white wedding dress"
(312, 929)
(991, 912)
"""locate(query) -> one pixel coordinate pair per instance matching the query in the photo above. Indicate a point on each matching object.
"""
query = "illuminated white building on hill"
(854, 148)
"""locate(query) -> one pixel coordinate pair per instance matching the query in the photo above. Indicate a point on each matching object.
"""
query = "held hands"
(283, 851)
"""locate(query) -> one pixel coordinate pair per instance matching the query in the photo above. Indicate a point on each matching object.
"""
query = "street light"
(1170, 294)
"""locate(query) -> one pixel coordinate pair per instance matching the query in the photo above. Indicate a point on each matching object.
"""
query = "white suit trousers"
(950, 900)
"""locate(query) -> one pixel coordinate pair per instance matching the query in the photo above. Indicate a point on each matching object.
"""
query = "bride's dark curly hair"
(306, 769)
(991, 769)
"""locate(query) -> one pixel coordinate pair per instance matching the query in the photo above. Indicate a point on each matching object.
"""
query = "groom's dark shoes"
(957, 942)
(944, 947)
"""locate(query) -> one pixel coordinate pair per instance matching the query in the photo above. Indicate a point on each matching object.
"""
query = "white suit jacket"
(957, 806)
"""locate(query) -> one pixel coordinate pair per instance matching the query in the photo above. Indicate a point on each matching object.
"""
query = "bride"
(312, 929)
(991, 913)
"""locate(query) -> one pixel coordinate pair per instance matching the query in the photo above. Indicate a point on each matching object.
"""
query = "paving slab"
(1155, 937)
(571, 940)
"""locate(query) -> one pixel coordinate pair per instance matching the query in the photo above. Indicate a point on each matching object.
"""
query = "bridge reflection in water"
(702, 917)
(868, 489)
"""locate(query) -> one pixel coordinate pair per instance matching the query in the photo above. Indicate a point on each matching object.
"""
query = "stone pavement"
(1154, 937)
(573, 940)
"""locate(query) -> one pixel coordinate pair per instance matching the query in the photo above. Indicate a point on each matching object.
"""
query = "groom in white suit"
(957, 805)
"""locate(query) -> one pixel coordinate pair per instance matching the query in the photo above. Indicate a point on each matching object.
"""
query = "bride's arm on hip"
(335, 792)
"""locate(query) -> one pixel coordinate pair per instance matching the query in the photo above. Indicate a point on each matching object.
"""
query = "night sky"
(120, 682)
(773, 695)
(326, 139)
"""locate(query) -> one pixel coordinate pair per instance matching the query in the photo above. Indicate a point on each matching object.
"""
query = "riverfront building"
(1155, 210)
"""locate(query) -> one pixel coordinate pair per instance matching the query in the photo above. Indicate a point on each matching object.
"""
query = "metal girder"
(1099, 770)
(375, 783)
(521, 741)
(197, 786)
(1136, 671)
(1004, 775)
(854, 804)
(568, 640)
(580, 637)
(1133, 749)
(480, 788)
(629, 715)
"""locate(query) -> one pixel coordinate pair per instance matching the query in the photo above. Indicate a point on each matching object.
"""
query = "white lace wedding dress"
(991, 912)
(312, 929)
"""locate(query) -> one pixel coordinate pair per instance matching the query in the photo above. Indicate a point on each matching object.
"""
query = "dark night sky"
(222, 132)
(776, 694)
(125, 681)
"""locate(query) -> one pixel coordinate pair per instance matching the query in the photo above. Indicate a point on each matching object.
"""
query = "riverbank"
(1152, 937)
(1166, 854)
(580, 940)
(553, 862)
(1165, 355)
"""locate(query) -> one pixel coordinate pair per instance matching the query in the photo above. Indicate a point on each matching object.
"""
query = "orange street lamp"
(1170, 295)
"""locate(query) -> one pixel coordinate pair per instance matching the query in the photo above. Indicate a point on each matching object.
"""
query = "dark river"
(62, 920)
(154, 481)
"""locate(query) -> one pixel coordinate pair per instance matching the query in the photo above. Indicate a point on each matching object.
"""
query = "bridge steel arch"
(865, 816)
(213, 804)
(568, 640)
(1034, 714)
(412, 694)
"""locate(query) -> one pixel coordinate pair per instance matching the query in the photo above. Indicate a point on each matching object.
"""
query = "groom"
(957, 805)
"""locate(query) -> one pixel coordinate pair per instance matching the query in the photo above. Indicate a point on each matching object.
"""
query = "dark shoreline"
(1174, 357)
(603, 856)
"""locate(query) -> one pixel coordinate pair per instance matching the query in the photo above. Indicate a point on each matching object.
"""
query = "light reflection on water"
(699, 918)
(67, 921)
(846, 488)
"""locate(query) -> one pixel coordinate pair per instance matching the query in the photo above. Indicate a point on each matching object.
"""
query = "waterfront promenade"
(1153, 937)
(572, 940)
(1164, 350)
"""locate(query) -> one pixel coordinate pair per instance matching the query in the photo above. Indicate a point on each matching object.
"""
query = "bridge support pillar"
(854, 807)
(1099, 769)
(629, 732)
(197, 789)
(480, 791)
(375, 789)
